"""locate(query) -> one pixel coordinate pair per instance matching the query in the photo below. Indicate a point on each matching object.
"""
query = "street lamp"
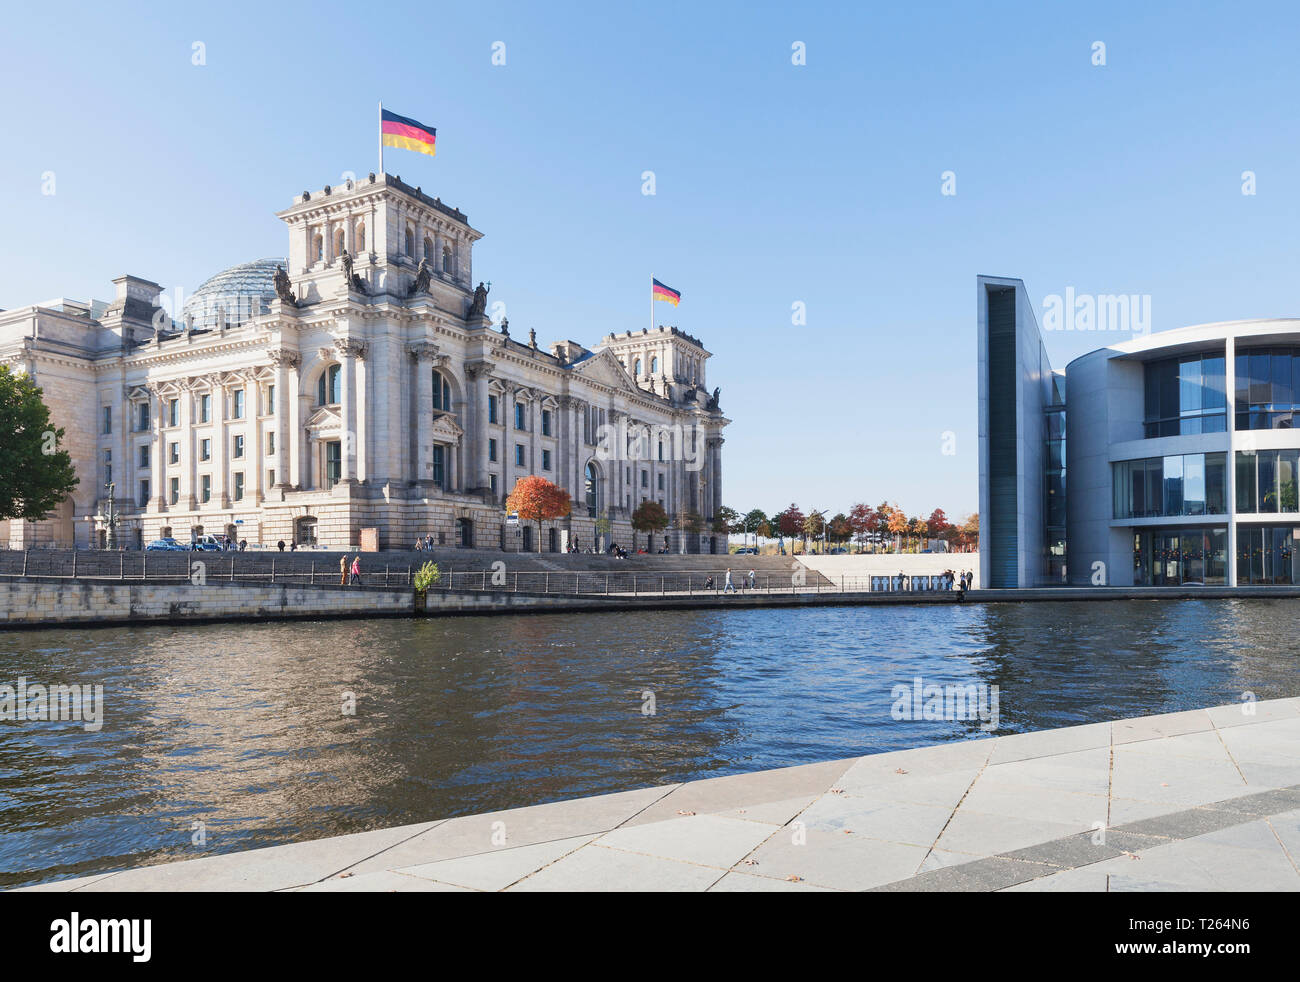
(110, 517)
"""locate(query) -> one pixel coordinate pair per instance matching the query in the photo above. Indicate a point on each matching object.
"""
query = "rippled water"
(241, 727)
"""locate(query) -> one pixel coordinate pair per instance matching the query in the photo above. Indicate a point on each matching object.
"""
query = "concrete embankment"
(55, 601)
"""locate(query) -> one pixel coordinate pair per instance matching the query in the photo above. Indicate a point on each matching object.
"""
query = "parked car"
(747, 551)
(207, 543)
(165, 545)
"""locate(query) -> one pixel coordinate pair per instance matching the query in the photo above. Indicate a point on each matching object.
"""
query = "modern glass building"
(1184, 454)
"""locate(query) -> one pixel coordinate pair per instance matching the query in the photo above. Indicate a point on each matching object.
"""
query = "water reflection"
(242, 728)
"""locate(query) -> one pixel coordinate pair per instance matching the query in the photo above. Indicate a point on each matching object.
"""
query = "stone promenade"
(1201, 800)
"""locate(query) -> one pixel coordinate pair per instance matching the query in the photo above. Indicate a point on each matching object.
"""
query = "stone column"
(220, 454)
(424, 355)
(157, 467)
(286, 362)
(349, 350)
(187, 499)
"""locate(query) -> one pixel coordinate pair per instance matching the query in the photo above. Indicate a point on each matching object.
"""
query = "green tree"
(649, 518)
(753, 523)
(813, 524)
(35, 475)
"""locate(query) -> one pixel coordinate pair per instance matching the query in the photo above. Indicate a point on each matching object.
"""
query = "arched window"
(441, 392)
(329, 387)
(410, 241)
(591, 490)
(317, 248)
(428, 248)
(654, 365)
(361, 237)
(340, 242)
(637, 369)
(446, 259)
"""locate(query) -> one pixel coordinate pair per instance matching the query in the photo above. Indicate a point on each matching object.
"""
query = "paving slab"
(496, 870)
(481, 834)
(707, 840)
(1164, 725)
(743, 790)
(594, 868)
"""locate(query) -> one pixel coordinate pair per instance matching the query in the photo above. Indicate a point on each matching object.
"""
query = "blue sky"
(775, 183)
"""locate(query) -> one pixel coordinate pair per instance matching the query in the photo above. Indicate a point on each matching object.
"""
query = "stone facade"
(357, 384)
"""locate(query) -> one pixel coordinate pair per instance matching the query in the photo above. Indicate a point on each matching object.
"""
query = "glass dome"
(242, 292)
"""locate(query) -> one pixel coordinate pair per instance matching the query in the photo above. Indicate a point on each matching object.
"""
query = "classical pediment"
(446, 430)
(604, 367)
(324, 418)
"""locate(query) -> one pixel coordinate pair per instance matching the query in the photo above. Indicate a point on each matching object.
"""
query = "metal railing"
(289, 569)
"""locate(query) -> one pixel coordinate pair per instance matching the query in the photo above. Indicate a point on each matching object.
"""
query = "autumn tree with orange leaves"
(535, 499)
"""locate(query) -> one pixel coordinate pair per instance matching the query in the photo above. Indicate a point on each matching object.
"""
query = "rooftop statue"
(478, 306)
(423, 276)
(282, 289)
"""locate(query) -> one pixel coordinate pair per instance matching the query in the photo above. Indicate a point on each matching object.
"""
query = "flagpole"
(381, 137)
(652, 303)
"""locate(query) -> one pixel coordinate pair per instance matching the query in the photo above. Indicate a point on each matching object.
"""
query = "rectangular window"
(174, 490)
(270, 479)
(333, 463)
(492, 450)
(439, 463)
(519, 415)
(546, 460)
(173, 412)
(239, 446)
(492, 409)
(142, 416)
(519, 454)
(1245, 482)
(205, 488)
(173, 453)
(239, 485)
(645, 479)
(492, 481)
(270, 400)
(1287, 461)
(108, 420)
(661, 482)
(205, 449)
(1267, 480)
(270, 442)
(546, 422)
(205, 407)
(144, 457)
(144, 494)
(237, 404)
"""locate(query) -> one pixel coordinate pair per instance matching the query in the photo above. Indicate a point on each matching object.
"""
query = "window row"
(1267, 388)
(1185, 395)
(143, 413)
(1188, 484)
(1266, 481)
(1173, 557)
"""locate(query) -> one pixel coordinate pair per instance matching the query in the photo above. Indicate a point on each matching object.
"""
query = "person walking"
(751, 579)
(343, 570)
(356, 570)
(729, 587)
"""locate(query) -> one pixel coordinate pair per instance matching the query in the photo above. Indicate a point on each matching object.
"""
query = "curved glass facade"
(1158, 487)
(1267, 388)
(1185, 396)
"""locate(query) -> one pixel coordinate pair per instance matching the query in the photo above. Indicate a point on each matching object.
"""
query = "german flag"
(661, 292)
(407, 134)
